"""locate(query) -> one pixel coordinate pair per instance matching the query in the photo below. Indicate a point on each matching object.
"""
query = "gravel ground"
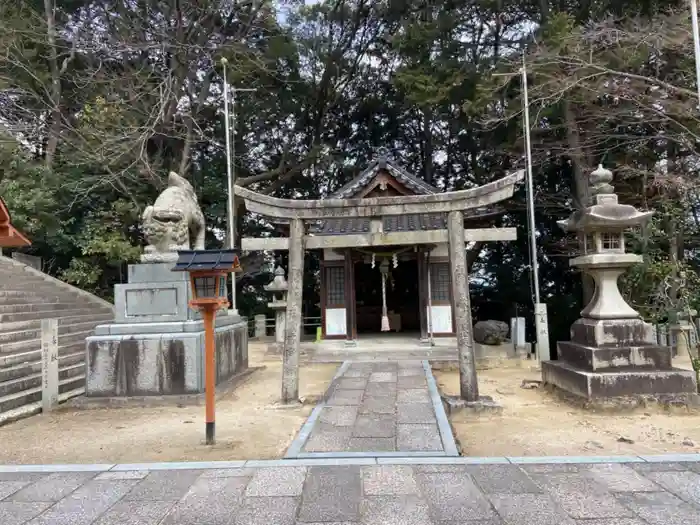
(249, 425)
(537, 423)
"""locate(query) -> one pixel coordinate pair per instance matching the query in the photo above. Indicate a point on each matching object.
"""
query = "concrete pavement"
(383, 491)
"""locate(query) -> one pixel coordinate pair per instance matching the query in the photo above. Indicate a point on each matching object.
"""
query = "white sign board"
(49, 364)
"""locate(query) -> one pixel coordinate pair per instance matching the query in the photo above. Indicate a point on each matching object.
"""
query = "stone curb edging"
(374, 460)
(302, 437)
(449, 445)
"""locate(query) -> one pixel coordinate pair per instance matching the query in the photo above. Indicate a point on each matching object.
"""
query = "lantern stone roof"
(279, 283)
(10, 237)
(607, 214)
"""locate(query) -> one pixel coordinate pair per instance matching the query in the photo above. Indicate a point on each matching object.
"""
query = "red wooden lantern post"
(208, 271)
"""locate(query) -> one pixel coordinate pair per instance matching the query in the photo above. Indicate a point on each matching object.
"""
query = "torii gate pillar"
(468, 385)
(295, 280)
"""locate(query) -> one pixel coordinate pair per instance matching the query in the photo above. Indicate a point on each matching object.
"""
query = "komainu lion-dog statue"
(174, 222)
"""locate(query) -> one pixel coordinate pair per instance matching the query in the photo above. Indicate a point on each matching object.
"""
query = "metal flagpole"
(430, 305)
(541, 329)
(229, 177)
(696, 41)
(231, 172)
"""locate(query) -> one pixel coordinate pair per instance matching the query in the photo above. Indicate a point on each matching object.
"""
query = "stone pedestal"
(155, 346)
(260, 328)
(280, 309)
(615, 362)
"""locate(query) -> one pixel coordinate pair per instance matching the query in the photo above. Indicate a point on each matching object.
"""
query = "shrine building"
(388, 273)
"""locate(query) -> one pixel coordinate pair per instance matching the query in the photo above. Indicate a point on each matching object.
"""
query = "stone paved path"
(393, 491)
(378, 409)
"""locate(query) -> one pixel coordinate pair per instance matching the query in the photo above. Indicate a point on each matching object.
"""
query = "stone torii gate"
(296, 212)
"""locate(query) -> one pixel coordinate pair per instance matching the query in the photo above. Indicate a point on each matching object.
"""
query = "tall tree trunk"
(544, 11)
(581, 191)
(428, 145)
(54, 121)
(674, 237)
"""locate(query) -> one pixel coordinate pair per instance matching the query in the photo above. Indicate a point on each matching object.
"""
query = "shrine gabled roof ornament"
(10, 237)
(384, 163)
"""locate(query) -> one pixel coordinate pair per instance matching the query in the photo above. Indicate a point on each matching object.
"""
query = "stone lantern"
(278, 288)
(612, 353)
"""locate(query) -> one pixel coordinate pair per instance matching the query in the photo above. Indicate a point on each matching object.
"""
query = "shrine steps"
(403, 348)
(391, 348)
(27, 296)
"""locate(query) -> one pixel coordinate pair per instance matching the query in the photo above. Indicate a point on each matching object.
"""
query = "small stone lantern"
(613, 355)
(278, 288)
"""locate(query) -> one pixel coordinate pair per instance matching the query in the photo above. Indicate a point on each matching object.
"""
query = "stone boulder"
(490, 332)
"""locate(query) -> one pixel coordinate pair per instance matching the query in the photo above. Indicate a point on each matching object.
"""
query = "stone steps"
(38, 307)
(28, 296)
(33, 395)
(15, 298)
(33, 380)
(35, 333)
(28, 345)
(33, 408)
(21, 365)
(72, 311)
(40, 289)
(68, 317)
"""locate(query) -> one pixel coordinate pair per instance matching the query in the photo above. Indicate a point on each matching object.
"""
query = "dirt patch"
(249, 425)
(537, 423)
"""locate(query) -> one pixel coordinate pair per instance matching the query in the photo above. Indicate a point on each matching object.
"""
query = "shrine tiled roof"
(395, 223)
(403, 223)
(383, 163)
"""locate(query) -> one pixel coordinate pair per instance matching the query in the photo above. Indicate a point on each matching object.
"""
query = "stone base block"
(612, 332)
(275, 349)
(222, 390)
(454, 404)
(165, 363)
(611, 358)
(154, 294)
(621, 386)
